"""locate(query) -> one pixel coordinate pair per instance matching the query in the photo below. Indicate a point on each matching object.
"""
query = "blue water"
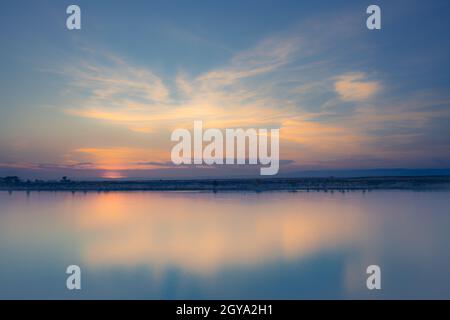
(181, 245)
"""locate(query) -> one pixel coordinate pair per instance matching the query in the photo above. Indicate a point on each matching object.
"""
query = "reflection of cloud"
(354, 87)
(204, 236)
(406, 233)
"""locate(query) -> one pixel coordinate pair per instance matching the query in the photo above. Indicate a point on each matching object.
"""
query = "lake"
(192, 245)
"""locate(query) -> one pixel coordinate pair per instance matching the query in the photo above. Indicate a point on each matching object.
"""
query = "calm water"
(227, 245)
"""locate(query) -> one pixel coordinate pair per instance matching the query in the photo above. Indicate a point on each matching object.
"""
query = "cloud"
(121, 158)
(248, 91)
(121, 93)
(267, 56)
(113, 79)
(355, 87)
(285, 81)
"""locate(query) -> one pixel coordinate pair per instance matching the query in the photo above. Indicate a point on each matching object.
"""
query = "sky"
(101, 102)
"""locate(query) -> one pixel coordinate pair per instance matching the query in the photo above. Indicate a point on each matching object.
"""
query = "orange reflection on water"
(203, 233)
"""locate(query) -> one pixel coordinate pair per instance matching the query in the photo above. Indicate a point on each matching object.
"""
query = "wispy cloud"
(241, 93)
(116, 80)
(356, 87)
(327, 112)
(135, 97)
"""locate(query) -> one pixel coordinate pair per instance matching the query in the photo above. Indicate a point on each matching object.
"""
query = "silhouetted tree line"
(16, 180)
(10, 180)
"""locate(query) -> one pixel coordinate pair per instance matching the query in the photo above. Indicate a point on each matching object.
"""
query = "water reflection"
(202, 234)
(202, 245)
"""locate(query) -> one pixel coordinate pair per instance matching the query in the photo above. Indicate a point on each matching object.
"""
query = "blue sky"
(100, 101)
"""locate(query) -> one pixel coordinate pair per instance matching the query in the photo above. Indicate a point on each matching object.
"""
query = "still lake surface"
(187, 245)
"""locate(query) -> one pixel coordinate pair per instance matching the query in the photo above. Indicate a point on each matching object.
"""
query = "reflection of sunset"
(226, 244)
(160, 231)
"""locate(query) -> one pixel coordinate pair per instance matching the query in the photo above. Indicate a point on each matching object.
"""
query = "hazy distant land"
(256, 185)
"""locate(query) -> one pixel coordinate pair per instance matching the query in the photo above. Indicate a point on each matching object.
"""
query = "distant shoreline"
(256, 185)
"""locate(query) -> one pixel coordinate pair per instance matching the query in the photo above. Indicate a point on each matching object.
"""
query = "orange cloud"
(354, 87)
(235, 95)
(114, 159)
